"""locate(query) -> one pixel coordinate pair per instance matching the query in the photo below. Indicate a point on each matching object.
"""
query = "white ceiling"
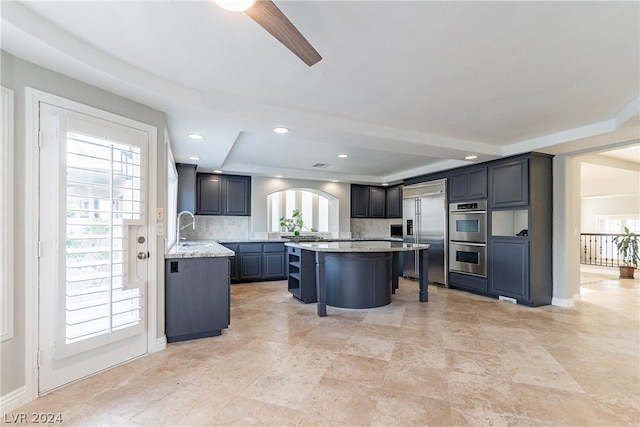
(611, 172)
(629, 154)
(404, 88)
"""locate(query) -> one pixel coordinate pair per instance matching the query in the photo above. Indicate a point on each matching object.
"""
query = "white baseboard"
(562, 302)
(13, 400)
(161, 344)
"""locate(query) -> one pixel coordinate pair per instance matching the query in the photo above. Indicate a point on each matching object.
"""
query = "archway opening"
(319, 210)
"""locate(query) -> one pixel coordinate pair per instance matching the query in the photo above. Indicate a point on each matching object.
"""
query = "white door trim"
(32, 159)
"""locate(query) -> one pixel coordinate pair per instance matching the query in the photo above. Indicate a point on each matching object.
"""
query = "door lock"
(143, 255)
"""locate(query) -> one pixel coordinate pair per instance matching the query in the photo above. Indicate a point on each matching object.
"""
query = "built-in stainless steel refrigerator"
(424, 220)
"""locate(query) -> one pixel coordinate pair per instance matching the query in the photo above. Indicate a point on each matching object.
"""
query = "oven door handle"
(458, 242)
(467, 212)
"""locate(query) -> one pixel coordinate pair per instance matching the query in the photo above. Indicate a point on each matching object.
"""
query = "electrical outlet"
(160, 214)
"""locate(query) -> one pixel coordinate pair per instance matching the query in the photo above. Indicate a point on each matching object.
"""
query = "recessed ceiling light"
(195, 136)
(384, 184)
(217, 171)
(235, 5)
(194, 158)
(471, 157)
(280, 130)
(334, 180)
(278, 176)
(343, 156)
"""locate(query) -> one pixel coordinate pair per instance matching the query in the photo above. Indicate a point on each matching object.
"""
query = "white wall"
(628, 204)
(608, 186)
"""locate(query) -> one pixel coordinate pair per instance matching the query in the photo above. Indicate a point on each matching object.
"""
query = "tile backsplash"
(219, 228)
(239, 227)
(366, 228)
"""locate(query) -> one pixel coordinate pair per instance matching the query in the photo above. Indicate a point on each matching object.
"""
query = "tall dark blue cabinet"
(520, 247)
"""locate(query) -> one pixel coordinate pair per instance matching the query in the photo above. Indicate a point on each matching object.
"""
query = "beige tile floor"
(460, 359)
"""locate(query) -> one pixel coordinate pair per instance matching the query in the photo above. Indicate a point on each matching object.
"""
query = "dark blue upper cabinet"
(209, 194)
(468, 184)
(223, 194)
(186, 187)
(377, 202)
(394, 202)
(237, 195)
(477, 187)
(509, 183)
(371, 201)
(360, 201)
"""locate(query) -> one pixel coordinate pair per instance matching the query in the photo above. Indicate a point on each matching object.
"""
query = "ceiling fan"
(271, 18)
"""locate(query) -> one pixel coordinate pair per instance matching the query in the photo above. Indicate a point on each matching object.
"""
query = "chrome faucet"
(178, 228)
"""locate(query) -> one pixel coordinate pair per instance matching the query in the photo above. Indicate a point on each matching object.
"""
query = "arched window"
(319, 210)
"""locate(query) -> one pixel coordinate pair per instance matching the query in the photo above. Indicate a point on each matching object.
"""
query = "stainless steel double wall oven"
(468, 238)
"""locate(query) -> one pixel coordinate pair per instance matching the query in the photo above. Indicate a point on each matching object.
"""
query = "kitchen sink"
(205, 244)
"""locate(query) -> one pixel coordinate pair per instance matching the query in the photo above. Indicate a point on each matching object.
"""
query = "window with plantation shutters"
(103, 196)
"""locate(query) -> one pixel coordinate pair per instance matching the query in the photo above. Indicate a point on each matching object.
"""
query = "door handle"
(143, 255)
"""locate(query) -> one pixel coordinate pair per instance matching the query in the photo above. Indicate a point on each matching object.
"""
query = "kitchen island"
(352, 274)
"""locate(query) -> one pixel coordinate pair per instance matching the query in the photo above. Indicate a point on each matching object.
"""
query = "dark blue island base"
(355, 275)
(355, 280)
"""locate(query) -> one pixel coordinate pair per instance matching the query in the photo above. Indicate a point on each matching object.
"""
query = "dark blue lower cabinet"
(250, 266)
(509, 269)
(273, 266)
(196, 297)
(258, 261)
(274, 261)
(468, 282)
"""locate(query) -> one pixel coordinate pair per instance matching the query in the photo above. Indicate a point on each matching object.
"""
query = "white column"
(566, 231)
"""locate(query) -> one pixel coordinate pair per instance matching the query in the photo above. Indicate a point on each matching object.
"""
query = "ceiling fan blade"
(269, 17)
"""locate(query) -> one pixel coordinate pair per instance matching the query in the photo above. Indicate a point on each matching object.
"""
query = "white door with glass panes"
(93, 245)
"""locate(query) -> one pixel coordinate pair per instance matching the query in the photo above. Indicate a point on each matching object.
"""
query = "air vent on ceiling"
(321, 165)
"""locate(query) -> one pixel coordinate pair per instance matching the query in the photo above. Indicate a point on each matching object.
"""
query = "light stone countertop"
(214, 248)
(198, 249)
(358, 246)
(293, 240)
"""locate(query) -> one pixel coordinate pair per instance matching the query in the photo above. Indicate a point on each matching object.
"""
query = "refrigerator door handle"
(416, 264)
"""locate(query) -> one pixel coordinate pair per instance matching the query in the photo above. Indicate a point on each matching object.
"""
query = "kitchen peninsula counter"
(198, 249)
(350, 274)
(197, 303)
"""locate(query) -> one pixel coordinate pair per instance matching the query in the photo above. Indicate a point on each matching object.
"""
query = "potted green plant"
(627, 245)
(294, 224)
